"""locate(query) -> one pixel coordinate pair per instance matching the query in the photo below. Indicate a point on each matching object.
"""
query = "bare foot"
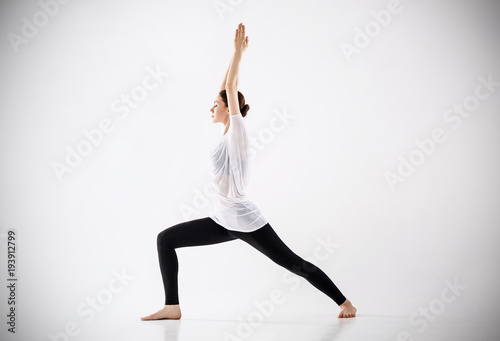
(347, 310)
(171, 312)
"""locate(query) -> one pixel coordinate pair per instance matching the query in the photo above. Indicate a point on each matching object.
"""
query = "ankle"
(346, 303)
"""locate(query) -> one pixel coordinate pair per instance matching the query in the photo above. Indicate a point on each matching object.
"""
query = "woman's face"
(219, 111)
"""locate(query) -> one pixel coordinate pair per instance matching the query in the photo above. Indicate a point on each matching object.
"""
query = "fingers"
(237, 32)
(240, 38)
(240, 31)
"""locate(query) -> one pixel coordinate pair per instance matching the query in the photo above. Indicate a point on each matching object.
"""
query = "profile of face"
(220, 112)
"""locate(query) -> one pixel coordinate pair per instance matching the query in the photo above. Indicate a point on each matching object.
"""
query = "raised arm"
(223, 85)
(231, 86)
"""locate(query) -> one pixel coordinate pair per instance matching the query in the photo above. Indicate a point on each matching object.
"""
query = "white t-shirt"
(229, 165)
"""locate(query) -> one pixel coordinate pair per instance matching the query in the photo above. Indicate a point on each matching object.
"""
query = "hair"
(241, 100)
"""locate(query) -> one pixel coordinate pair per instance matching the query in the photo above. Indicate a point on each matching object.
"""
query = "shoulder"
(238, 115)
(236, 119)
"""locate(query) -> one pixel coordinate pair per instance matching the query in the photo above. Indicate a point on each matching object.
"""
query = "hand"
(240, 41)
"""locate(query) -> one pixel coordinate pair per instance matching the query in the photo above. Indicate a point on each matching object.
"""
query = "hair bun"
(244, 109)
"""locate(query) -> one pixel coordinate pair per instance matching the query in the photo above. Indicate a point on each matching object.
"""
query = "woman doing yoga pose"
(235, 217)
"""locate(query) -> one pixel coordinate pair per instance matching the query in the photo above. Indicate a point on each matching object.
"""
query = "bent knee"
(163, 238)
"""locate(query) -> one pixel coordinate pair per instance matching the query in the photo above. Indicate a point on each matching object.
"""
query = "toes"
(346, 315)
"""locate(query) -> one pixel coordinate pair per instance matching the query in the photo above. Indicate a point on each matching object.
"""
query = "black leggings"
(205, 231)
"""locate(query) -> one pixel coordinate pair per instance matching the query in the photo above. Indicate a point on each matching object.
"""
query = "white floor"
(362, 327)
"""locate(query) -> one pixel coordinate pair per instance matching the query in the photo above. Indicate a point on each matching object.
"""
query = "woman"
(235, 216)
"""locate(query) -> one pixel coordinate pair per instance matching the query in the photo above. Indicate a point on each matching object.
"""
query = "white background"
(321, 177)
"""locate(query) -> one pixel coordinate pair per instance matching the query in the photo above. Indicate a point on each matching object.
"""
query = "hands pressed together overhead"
(240, 41)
